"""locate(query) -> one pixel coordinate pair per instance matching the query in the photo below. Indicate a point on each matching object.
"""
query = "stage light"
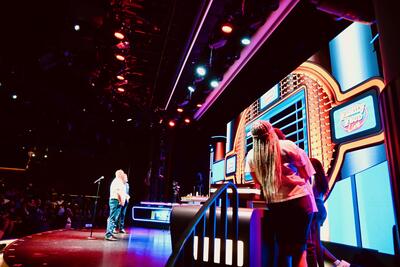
(14, 97)
(180, 110)
(120, 77)
(129, 119)
(199, 105)
(120, 89)
(171, 124)
(214, 83)
(120, 57)
(227, 28)
(77, 27)
(187, 120)
(191, 88)
(201, 71)
(245, 41)
(119, 35)
(45, 156)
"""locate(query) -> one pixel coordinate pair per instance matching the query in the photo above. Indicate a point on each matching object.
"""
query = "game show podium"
(250, 235)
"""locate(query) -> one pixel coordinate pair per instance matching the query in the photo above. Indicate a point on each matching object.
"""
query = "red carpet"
(139, 247)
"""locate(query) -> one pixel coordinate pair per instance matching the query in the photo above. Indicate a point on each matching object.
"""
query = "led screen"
(356, 118)
(218, 171)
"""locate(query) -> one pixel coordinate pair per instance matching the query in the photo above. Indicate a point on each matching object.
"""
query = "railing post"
(211, 237)
(224, 226)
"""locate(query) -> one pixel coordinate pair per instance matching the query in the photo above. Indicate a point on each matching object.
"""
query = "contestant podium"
(250, 235)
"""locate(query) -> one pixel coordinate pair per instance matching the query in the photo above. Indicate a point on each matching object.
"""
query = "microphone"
(98, 180)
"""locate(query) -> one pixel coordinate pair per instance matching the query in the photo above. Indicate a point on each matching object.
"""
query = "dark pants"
(115, 211)
(290, 222)
(121, 221)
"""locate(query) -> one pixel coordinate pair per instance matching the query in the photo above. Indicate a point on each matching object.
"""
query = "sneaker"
(122, 231)
(115, 232)
(344, 263)
(110, 238)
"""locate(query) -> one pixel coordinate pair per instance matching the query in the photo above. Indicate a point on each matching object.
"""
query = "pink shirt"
(296, 168)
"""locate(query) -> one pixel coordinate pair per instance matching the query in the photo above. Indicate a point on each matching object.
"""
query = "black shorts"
(290, 223)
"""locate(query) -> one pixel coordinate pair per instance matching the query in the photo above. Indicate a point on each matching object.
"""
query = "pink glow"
(273, 21)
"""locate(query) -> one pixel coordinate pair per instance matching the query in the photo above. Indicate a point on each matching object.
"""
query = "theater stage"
(139, 247)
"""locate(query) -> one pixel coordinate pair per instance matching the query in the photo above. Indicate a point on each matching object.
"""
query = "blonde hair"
(267, 158)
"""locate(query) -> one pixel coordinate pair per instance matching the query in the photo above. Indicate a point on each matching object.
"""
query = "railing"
(184, 248)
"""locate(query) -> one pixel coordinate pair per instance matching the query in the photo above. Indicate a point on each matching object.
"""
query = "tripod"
(98, 181)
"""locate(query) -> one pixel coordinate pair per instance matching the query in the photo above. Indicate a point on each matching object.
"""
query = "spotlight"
(120, 89)
(201, 71)
(120, 77)
(180, 110)
(14, 97)
(199, 105)
(245, 41)
(171, 124)
(214, 83)
(227, 28)
(129, 119)
(187, 120)
(45, 156)
(119, 35)
(77, 27)
(191, 88)
(120, 57)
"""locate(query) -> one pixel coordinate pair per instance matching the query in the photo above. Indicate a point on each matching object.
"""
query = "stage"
(139, 247)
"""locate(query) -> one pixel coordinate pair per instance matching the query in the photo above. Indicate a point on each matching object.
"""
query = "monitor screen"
(230, 165)
(218, 171)
(356, 118)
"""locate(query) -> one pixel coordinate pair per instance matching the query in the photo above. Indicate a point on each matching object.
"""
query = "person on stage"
(283, 171)
(121, 219)
(118, 198)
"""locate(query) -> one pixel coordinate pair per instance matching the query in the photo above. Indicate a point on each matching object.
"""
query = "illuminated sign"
(357, 118)
(269, 97)
(230, 166)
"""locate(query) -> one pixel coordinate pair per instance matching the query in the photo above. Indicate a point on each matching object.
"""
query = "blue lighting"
(201, 71)
(214, 83)
(353, 56)
(245, 41)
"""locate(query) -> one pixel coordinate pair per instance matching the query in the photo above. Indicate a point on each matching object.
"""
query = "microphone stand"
(95, 208)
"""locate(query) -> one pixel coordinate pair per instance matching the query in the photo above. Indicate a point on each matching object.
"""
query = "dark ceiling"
(58, 85)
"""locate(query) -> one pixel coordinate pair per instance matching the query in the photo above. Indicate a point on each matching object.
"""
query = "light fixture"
(187, 120)
(120, 77)
(77, 27)
(14, 96)
(120, 89)
(119, 35)
(199, 105)
(245, 41)
(201, 71)
(45, 156)
(120, 57)
(180, 110)
(214, 83)
(227, 28)
(191, 88)
(171, 123)
(129, 119)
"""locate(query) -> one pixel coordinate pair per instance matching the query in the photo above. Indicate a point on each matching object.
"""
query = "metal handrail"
(210, 204)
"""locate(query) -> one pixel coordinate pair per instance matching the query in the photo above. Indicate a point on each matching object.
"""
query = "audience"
(25, 211)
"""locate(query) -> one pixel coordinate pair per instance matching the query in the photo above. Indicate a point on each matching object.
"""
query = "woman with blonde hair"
(282, 170)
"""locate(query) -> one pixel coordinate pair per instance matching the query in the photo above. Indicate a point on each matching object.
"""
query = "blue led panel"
(218, 171)
(353, 56)
(341, 223)
(230, 165)
(375, 205)
(356, 118)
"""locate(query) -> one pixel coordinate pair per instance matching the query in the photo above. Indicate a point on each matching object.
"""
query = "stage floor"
(139, 247)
